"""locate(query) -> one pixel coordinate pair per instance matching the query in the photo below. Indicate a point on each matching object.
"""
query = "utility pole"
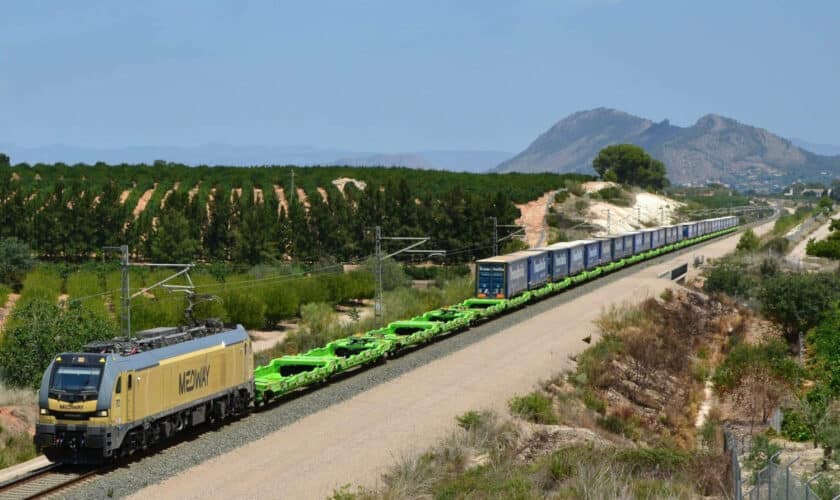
(495, 235)
(377, 310)
(416, 242)
(125, 314)
(125, 317)
(608, 222)
(519, 231)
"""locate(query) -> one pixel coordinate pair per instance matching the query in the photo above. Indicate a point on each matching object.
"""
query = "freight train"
(118, 397)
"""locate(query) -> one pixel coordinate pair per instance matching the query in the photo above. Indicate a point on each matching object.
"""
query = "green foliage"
(39, 330)
(825, 204)
(4, 294)
(614, 195)
(629, 164)
(15, 261)
(826, 488)
(730, 278)
(778, 245)
(824, 345)
(472, 420)
(749, 242)
(534, 407)
(392, 273)
(761, 451)
(244, 308)
(42, 283)
(485, 482)
(15, 448)
(575, 187)
(71, 212)
(828, 248)
(514, 245)
(798, 301)
(787, 221)
(795, 426)
(770, 358)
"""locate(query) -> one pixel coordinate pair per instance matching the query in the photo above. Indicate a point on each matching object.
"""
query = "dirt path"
(343, 181)
(323, 193)
(281, 198)
(168, 193)
(306, 459)
(258, 195)
(302, 198)
(533, 218)
(798, 253)
(6, 309)
(143, 201)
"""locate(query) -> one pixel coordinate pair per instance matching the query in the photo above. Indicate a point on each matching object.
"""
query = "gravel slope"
(296, 450)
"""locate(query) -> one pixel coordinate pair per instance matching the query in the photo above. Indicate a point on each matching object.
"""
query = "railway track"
(46, 481)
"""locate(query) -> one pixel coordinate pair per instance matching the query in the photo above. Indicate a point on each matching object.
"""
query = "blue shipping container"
(537, 268)
(501, 277)
(592, 254)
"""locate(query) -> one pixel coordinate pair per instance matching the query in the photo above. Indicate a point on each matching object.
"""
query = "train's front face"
(73, 419)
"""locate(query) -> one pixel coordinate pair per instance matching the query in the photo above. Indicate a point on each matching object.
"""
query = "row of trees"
(72, 217)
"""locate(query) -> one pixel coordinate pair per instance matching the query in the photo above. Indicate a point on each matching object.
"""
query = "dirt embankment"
(533, 218)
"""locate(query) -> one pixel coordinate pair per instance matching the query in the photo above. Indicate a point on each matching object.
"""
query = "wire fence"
(776, 481)
(773, 482)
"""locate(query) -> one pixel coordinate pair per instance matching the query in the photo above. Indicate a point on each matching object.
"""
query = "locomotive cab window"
(119, 385)
(74, 379)
(129, 381)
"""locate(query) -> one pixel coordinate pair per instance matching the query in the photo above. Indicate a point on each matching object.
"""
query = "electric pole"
(125, 313)
(608, 222)
(416, 242)
(125, 316)
(495, 235)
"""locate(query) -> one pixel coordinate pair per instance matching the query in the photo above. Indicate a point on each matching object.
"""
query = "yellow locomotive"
(121, 396)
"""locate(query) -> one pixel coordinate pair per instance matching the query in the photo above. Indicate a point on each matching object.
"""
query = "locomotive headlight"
(102, 413)
(44, 411)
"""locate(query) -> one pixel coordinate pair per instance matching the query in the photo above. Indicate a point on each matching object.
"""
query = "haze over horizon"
(392, 78)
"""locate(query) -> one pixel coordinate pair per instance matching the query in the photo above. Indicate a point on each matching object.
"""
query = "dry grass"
(17, 397)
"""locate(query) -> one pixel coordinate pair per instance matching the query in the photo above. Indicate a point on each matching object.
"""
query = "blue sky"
(405, 76)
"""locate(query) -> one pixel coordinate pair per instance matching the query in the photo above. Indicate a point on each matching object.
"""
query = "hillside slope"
(714, 149)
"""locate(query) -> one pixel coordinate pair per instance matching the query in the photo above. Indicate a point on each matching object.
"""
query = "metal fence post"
(808, 485)
(787, 477)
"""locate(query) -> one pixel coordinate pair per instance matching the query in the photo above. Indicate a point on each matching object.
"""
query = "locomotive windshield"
(76, 379)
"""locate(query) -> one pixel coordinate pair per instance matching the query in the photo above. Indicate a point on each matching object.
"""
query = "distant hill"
(715, 149)
(229, 155)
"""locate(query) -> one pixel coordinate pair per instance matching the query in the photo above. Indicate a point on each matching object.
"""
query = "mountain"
(715, 149)
(225, 154)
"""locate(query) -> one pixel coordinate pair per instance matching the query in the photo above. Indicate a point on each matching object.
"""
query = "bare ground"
(414, 411)
(343, 181)
(301, 196)
(281, 198)
(7, 308)
(533, 218)
(143, 201)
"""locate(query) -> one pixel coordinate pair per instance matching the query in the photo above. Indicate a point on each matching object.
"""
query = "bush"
(731, 279)
(795, 427)
(472, 420)
(15, 261)
(749, 242)
(576, 188)
(39, 331)
(244, 308)
(534, 407)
